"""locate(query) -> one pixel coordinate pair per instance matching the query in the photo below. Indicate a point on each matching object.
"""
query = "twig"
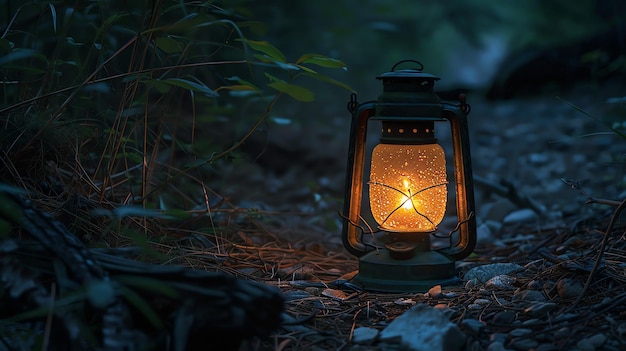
(507, 189)
(575, 184)
(607, 233)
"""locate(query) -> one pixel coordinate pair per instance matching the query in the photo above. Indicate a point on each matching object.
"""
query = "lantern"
(408, 186)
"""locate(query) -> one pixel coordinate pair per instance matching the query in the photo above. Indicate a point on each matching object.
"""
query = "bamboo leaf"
(266, 48)
(327, 79)
(53, 11)
(189, 85)
(297, 92)
(321, 60)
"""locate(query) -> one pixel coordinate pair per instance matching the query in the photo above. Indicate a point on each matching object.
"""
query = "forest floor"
(277, 221)
(564, 159)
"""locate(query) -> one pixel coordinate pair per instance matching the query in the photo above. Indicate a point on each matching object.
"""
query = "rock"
(423, 328)
(505, 317)
(546, 347)
(485, 272)
(501, 282)
(497, 210)
(591, 343)
(520, 216)
(472, 326)
(484, 234)
(364, 335)
(529, 296)
(517, 332)
(496, 346)
(435, 292)
(540, 309)
(523, 344)
(568, 288)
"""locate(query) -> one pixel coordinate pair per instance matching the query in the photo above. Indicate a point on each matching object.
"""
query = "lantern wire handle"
(456, 229)
(464, 106)
(361, 229)
(352, 104)
(421, 66)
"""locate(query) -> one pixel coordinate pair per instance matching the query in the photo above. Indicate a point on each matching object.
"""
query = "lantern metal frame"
(407, 263)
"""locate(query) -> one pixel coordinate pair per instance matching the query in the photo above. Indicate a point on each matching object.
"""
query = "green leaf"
(266, 48)
(189, 85)
(168, 45)
(242, 86)
(53, 11)
(21, 54)
(297, 92)
(183, 26)
(321, 60)
(327, 79)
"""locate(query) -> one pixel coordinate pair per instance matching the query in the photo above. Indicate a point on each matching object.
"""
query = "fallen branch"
(507, 190)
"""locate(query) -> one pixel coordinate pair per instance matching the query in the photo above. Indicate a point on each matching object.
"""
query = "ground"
(546, 148)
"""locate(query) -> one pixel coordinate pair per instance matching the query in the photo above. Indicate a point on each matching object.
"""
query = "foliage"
(134, 103)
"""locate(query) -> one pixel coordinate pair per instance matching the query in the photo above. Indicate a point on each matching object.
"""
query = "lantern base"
(378, 271)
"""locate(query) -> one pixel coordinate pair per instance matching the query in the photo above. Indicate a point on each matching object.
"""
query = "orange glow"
(408, 187)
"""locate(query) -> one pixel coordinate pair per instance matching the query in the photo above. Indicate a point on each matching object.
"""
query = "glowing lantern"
(408, 185)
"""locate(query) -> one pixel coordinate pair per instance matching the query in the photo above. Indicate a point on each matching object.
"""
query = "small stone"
(484, 234)
(538, 158)
(591, 343)
(497, 210)
(534, 285)
(504, 317)
(568, 288)
(520, 332)
(546, 347)
(482, 301)
(485, 272)
(472, 326)
(561, 333)
(501, 282)
(434, 332)
(498, 337)
(496, 346)
(523, 344)
(529, 296)
(435, 292)
(364, 335)
(540, 309)
(520, 216)
(531, 321)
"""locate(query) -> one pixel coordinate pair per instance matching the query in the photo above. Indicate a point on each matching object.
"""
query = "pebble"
(472, 326)
(546, 347)
(485, 272)
(520, 332)
(520, 216)
(501, 282)
(496, 346)
(435, 292)
(529, 296)
(591, 343)
(523, 344)
(364, 335)
(505, 317)
(540, 309)
(569, 288)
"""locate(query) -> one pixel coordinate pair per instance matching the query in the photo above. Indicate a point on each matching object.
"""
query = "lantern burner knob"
(401, 250)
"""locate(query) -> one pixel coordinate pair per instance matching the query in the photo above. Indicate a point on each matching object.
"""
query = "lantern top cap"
(410, 73)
